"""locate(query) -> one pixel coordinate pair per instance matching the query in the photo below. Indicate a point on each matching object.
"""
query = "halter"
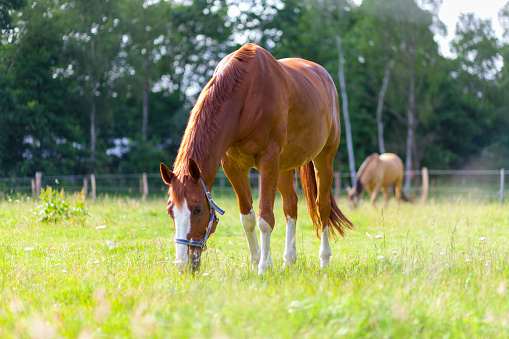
(213, 218)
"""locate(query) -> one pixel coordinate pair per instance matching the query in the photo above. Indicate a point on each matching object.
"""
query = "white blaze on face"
(182, 218)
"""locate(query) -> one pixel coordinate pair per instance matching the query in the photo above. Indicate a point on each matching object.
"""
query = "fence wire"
(470, 184)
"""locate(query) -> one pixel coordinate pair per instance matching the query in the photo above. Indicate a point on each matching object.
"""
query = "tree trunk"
(380, 105)
(348, 129)
(93, 136)
(95, 82)
(411, 124)
(145, 99)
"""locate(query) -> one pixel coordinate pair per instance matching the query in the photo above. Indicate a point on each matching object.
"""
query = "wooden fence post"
(33, 187)
(92, 183)
(296, 182)
(337, 184)
(259, 184)
(425, 185)
(85, 187)
(145, 186)
(38, 179)
(502, 175)
(221, 186)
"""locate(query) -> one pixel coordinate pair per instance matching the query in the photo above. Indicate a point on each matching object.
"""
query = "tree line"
(106, 86)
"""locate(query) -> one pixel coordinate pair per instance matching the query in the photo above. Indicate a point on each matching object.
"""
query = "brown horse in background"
(378, 172)
(275, 116)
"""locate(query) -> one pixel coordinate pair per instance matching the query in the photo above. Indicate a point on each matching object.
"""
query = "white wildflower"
(111, 244)
(100, 227)
(96, 262)
(380, 257)
(378, 236)
(28, 249)
(467, 260)
(482, 239)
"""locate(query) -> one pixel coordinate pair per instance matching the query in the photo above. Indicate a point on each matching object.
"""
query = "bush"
(56, 206)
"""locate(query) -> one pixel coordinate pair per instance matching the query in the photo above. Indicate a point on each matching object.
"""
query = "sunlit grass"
(440, 270)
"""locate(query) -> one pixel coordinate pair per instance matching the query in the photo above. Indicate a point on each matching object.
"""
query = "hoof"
(264, 269)
(324, 263)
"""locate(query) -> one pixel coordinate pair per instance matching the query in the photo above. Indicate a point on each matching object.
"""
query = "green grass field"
(434, 271)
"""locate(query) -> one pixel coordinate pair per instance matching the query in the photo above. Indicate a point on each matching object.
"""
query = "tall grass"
(440, 270)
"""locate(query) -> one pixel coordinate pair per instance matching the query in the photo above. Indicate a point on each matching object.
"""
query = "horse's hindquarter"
(313, 114)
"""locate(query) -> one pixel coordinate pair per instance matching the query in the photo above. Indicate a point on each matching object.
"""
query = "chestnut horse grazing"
(378, 172)
(275, 116)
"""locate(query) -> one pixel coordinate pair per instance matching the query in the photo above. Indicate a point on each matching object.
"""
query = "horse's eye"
(197, 210)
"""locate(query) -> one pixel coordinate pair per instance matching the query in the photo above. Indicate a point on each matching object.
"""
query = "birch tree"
(93, 45)
(346, 114)
(417, 53)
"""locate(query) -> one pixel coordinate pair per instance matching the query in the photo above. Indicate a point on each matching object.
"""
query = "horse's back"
(392, 166)
(292, 103)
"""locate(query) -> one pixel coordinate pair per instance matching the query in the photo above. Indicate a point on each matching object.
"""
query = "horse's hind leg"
(397, 189)
(324, 176)
(240, 181)
(290, 199)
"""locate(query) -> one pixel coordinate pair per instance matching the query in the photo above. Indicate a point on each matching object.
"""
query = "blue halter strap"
(213, 218)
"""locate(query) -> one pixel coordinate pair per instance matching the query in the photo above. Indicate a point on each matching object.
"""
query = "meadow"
(408, 271)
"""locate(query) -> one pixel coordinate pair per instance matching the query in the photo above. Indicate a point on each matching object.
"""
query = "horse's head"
(191, 212)
(354, 197)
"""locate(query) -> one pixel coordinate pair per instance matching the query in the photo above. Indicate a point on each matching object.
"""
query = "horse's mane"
(358, 183)
(203, 125)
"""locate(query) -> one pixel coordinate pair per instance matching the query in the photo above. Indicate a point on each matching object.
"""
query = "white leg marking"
(249, 223)
(325, 250)
(265, 232)
(290, 255)
(182, 227)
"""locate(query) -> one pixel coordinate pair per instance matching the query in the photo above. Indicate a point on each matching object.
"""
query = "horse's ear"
(194, 169)
(166, 173)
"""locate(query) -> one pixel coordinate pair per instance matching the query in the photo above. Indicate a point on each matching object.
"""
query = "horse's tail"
(404, 197)
(337, 220)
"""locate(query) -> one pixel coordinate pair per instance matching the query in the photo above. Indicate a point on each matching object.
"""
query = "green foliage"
(56, 206)
(137, 63)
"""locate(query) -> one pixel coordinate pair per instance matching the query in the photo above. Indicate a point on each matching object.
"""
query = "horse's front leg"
(374, 193)
(385, 192)
(239, 178)
(269, 169)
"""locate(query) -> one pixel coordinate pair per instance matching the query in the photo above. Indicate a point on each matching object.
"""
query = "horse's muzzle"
(193, 264)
